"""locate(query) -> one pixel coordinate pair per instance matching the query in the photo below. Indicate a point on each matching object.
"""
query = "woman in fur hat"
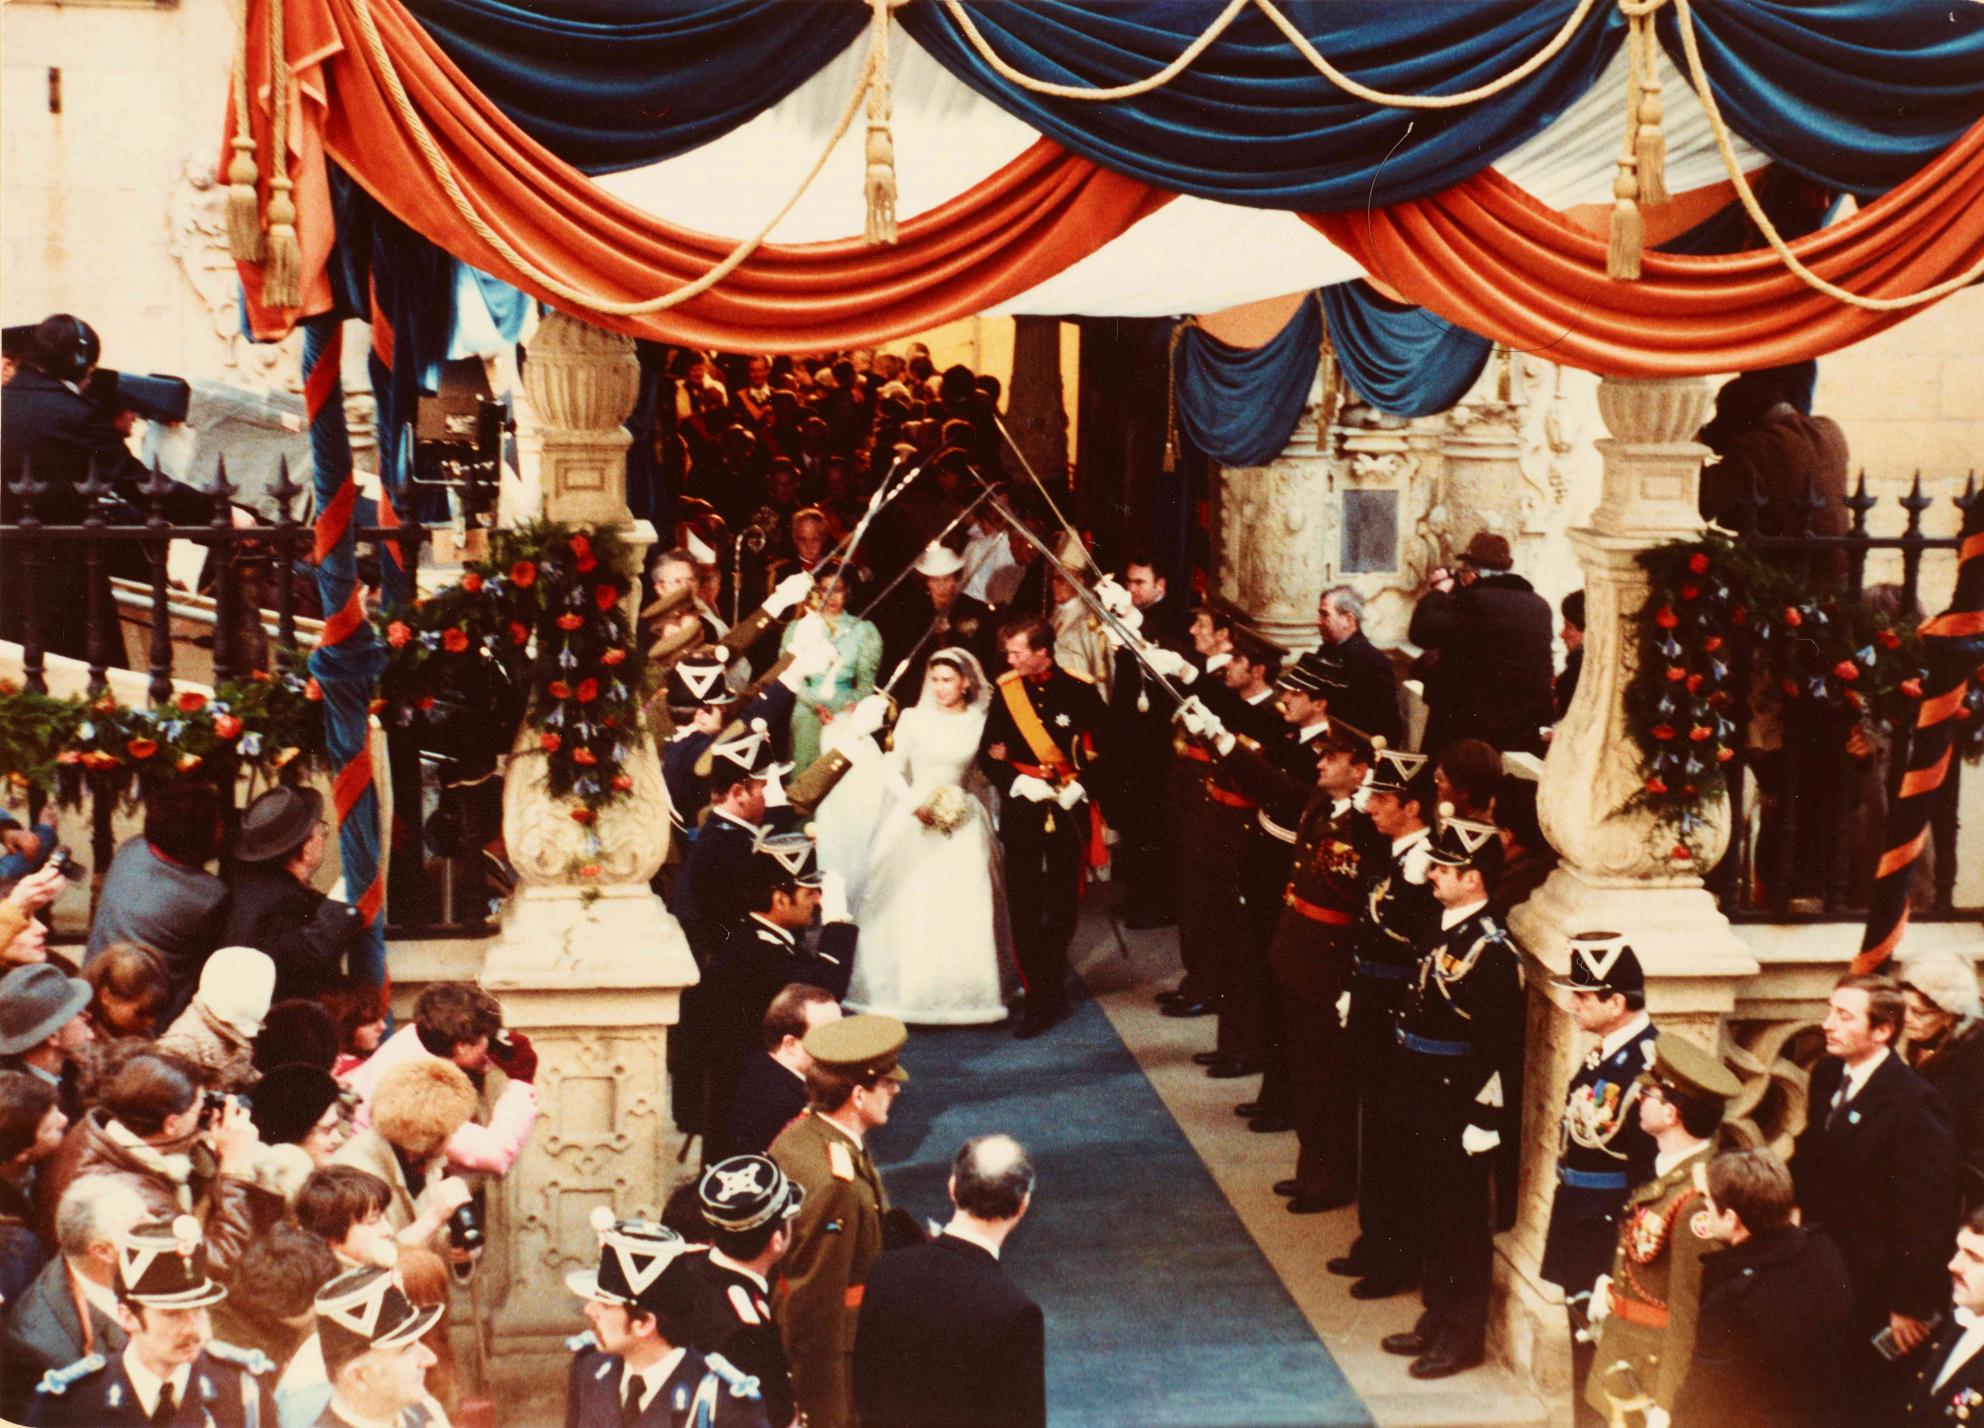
(417, 1106)
(217, 1030)
(1946, 1047)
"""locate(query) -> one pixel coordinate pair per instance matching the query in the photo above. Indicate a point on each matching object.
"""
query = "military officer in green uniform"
(837, 1233)
(1644, 1311)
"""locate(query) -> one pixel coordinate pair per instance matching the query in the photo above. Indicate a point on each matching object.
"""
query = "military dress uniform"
(227, 1387)
(1310, 955)
(1647, 1339)
(162, 1264)
(1399, 914)
(1253, 1008)
(733, 1315)
(1602, 1152)
(838, 1231)
(1050, 729)
(1959, 1398)
(1459, 1038)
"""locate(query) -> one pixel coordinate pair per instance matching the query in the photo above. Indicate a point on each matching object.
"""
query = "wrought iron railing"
(1790, 859)
(256, 589)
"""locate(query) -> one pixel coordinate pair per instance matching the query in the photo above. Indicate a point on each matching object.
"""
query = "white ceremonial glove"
(1031, 788)
(1113, 597)
(868, 716)
(1654, 1416)
(1599, 1307)
(833, 897)
(788, 592)
(1170, 663)
(812, 652)
(1199, 721)
(1343, 1010)
(1071, 793)
(1224, 741)
(1476, 1141)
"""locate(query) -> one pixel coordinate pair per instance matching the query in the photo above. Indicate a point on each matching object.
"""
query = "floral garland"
(537, 628)
(269, 723)
(1686, 702)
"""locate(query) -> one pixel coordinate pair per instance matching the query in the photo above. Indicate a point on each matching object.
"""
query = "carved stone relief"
(196, 237)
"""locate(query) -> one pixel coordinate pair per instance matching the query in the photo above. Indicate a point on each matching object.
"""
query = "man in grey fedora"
(42, 1026)
(272, 907)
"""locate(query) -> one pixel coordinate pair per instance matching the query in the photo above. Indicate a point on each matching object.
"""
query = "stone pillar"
(591, 968)
(1274, 537)
(1618, 873)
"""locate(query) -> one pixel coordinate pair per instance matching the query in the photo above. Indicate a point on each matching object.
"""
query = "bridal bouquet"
(948, 808)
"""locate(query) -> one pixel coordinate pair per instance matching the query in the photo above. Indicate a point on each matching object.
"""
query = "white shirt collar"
(1964, 1349)
(1267, 693)
(718, 1257)
(146, 1384)
(833, 1125)
(1635, 1024)
(726, 813)
(101, 1295)
(766, 924)
(653, 1377)
(1406, 840)
(1339, 806)
(971, 1237)
(1309, 731)
(1453, 917)
(1857, 1076)
(1667, 1160)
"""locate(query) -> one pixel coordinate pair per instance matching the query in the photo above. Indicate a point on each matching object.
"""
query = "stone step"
(1123, 976)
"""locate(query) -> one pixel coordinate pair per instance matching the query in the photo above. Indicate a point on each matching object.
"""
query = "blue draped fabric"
(1239, 404)
(615, 84)
(1251, 122)
(1399, 358)
(1853, 94)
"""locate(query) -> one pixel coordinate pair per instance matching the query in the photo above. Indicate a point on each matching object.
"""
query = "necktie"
(1839, 1099)
(630, 1400)
(167, 1406)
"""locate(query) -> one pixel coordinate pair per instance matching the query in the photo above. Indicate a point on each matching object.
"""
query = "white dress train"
(934, 948)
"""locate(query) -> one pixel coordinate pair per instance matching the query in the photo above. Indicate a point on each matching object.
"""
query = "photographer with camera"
(416, 1108)
(64, 419)
(461, 1024)
(185, 1150)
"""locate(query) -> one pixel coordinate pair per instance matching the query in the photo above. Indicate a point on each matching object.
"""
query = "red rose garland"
(1688, 699)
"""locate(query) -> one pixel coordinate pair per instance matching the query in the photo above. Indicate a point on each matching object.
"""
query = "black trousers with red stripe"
(1044, 845)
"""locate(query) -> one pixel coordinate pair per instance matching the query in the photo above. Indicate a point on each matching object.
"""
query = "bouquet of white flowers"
(947, 808)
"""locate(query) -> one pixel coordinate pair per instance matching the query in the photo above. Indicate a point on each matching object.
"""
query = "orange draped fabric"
(1486, 255)
(1019, 227)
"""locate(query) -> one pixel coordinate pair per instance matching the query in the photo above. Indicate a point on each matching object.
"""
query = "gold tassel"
(282, 265)
(1622, 255)
(1331, 400)
(1171, 393)
(1650, 147)
(880, 184)
(244, 221)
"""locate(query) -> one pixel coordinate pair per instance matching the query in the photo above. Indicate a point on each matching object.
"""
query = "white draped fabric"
(1193, 255)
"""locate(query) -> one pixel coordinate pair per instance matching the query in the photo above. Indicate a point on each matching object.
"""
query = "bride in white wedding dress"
(934, 948)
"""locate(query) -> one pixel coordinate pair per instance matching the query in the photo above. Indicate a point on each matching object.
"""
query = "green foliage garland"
(1686, 705)
(268, 723)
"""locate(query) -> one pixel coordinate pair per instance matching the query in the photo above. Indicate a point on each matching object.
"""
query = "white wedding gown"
(934, 946)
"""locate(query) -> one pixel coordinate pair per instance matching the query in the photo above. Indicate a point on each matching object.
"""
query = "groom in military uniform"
(1040, 741)
(172, 1373)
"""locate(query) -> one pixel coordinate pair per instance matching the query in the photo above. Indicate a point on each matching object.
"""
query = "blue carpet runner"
(1161, 1311)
